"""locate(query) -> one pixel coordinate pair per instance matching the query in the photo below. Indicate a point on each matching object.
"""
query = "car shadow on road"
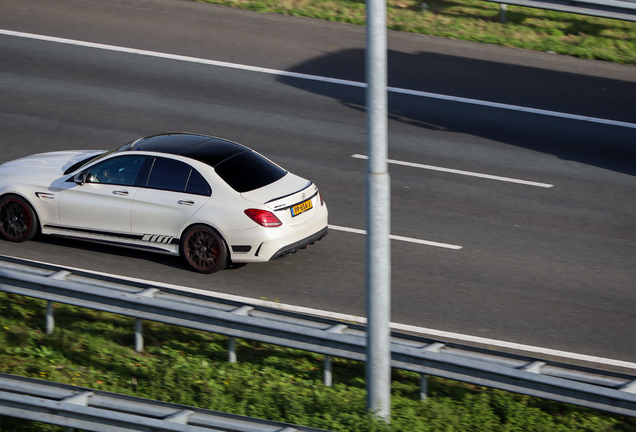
(605, 146)
(75, 247)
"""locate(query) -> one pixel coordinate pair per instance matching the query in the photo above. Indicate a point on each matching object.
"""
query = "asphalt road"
(553, 267)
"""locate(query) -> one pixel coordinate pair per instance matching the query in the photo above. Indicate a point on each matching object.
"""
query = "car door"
(172, 193)
(103, 203)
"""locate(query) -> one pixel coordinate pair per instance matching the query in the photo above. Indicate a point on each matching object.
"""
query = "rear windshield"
(248, 171)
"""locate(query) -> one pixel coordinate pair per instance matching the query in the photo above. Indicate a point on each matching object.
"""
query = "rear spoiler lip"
(284, 196)
(290, 206)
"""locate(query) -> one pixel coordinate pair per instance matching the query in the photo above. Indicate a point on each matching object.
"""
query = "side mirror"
(80, 179)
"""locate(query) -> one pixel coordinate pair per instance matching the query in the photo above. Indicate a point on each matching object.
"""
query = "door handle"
(185, 202)
(120, 192)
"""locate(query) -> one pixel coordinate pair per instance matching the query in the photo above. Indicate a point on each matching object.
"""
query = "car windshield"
(88, 160)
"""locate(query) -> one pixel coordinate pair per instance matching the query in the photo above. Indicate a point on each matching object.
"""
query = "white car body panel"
(95, 206)
(174, 208)
(40, 174)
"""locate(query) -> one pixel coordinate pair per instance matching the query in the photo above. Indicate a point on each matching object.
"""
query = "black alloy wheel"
(203, 249)
(18, 222)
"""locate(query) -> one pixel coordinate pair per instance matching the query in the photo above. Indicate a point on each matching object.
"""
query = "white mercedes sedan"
(209, 200)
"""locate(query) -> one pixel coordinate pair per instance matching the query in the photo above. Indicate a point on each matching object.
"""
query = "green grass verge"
(94, 349)
(478, 21)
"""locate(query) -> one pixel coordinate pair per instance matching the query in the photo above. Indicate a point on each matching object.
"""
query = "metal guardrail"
(609, 391)
(94, 410)
(614, 9)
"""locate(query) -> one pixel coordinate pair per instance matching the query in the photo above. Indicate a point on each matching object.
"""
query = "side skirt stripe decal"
(116, 243)
(153, 238)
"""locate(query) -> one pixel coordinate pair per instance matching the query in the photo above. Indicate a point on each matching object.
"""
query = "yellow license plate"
(302, 207)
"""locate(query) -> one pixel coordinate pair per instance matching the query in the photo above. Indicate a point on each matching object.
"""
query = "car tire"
(203, 249)
(18, 221)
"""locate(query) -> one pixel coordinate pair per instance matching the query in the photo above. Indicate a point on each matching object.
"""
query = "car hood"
(45, 165)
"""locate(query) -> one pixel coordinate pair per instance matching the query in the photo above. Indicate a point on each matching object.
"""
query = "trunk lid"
(292, 199)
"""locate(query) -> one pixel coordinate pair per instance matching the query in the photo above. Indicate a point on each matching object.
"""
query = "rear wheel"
(203, 249)
(18, 221)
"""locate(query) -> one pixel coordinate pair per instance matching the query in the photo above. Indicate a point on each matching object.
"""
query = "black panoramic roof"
(207, 149)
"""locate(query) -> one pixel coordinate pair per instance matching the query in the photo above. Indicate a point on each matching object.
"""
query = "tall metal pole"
(378, 197)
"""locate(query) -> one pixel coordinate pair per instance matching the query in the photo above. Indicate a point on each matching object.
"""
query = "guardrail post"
(328, 378)
(50, 321)
(423, 387)
(433, 347)
(503, 8)
(241, 310)
(139, 337)
(232, 350)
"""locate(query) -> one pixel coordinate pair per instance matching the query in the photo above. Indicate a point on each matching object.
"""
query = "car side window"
(121, 170)
(197, 185)
(176, 176)
(168, 174)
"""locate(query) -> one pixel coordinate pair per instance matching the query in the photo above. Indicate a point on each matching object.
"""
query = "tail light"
(263, 217)
(322, 203)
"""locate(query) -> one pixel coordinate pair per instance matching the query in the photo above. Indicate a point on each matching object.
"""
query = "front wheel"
(18, 221)
(203, 249)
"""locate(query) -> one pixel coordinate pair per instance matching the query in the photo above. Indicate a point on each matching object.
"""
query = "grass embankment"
(94, 349)
(477, 21)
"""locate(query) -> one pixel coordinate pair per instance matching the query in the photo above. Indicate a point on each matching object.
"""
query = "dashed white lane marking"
(423, 331)
(398, 238)
(465, 173)
(314, 78)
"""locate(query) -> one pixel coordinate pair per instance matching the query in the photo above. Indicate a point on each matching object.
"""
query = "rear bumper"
(261, 244)
(302, 244)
